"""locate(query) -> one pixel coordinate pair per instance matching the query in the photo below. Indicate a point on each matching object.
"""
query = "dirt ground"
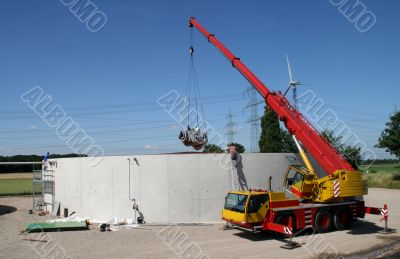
(195, 241)
(16, 176)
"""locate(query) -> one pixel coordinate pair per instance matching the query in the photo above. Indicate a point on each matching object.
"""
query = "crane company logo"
(324, 118)
(356, 13)
(66, 128)
(180, 243)
(87, 13)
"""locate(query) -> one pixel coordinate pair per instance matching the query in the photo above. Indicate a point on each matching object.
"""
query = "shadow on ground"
(262, 236)
(364, 227)
(4, 209)
(386, 249)
(357, 228)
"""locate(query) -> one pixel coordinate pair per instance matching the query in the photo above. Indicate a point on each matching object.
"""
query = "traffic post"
(384, 212)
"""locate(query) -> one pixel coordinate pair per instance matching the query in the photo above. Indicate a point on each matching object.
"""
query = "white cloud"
(150, 147)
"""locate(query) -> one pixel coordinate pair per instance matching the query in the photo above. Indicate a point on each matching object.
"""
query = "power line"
(254, 118)
(211, 99)
(230, 127)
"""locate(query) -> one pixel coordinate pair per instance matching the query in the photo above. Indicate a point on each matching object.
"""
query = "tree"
(350, 153)
(28, 158)
(390, 136)
(239, 147)
(212, 148)
(335, 141)
(288, 145)
(273, 139)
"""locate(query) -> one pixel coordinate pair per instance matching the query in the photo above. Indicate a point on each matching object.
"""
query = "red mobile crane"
(329, 159)
(323, 203)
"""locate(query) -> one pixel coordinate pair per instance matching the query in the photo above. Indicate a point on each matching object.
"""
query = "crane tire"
(342, 218)
(323, 221)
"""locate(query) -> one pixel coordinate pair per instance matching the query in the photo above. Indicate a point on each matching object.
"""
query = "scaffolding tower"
(43, 190)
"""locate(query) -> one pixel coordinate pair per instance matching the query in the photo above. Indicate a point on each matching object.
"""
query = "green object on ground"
(56, 226)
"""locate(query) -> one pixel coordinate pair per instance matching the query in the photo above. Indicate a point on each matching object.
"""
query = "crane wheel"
(342, 218)
(323, 221)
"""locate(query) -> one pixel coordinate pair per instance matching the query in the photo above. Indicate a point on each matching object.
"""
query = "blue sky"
(109, 81)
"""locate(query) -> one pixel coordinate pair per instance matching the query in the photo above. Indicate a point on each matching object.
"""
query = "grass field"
(383, 176)
(15, 184)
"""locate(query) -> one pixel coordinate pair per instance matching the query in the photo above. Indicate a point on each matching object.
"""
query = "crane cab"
(340, 186)
(246, 208)
(250, 208)
(299, 181)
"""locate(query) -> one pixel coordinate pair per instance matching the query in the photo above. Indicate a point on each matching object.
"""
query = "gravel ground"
(199, 240)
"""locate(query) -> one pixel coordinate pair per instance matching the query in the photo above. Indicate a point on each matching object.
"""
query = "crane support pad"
(56, 226)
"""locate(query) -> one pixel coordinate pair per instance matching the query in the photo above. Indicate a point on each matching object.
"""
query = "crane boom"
(325, 154)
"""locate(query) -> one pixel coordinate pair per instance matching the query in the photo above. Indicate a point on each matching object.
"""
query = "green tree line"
(28, 158)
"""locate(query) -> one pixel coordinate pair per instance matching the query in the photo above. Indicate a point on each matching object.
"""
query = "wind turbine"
(292, 83)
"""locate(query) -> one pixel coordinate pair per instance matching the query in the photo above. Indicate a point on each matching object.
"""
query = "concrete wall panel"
(168, 188)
